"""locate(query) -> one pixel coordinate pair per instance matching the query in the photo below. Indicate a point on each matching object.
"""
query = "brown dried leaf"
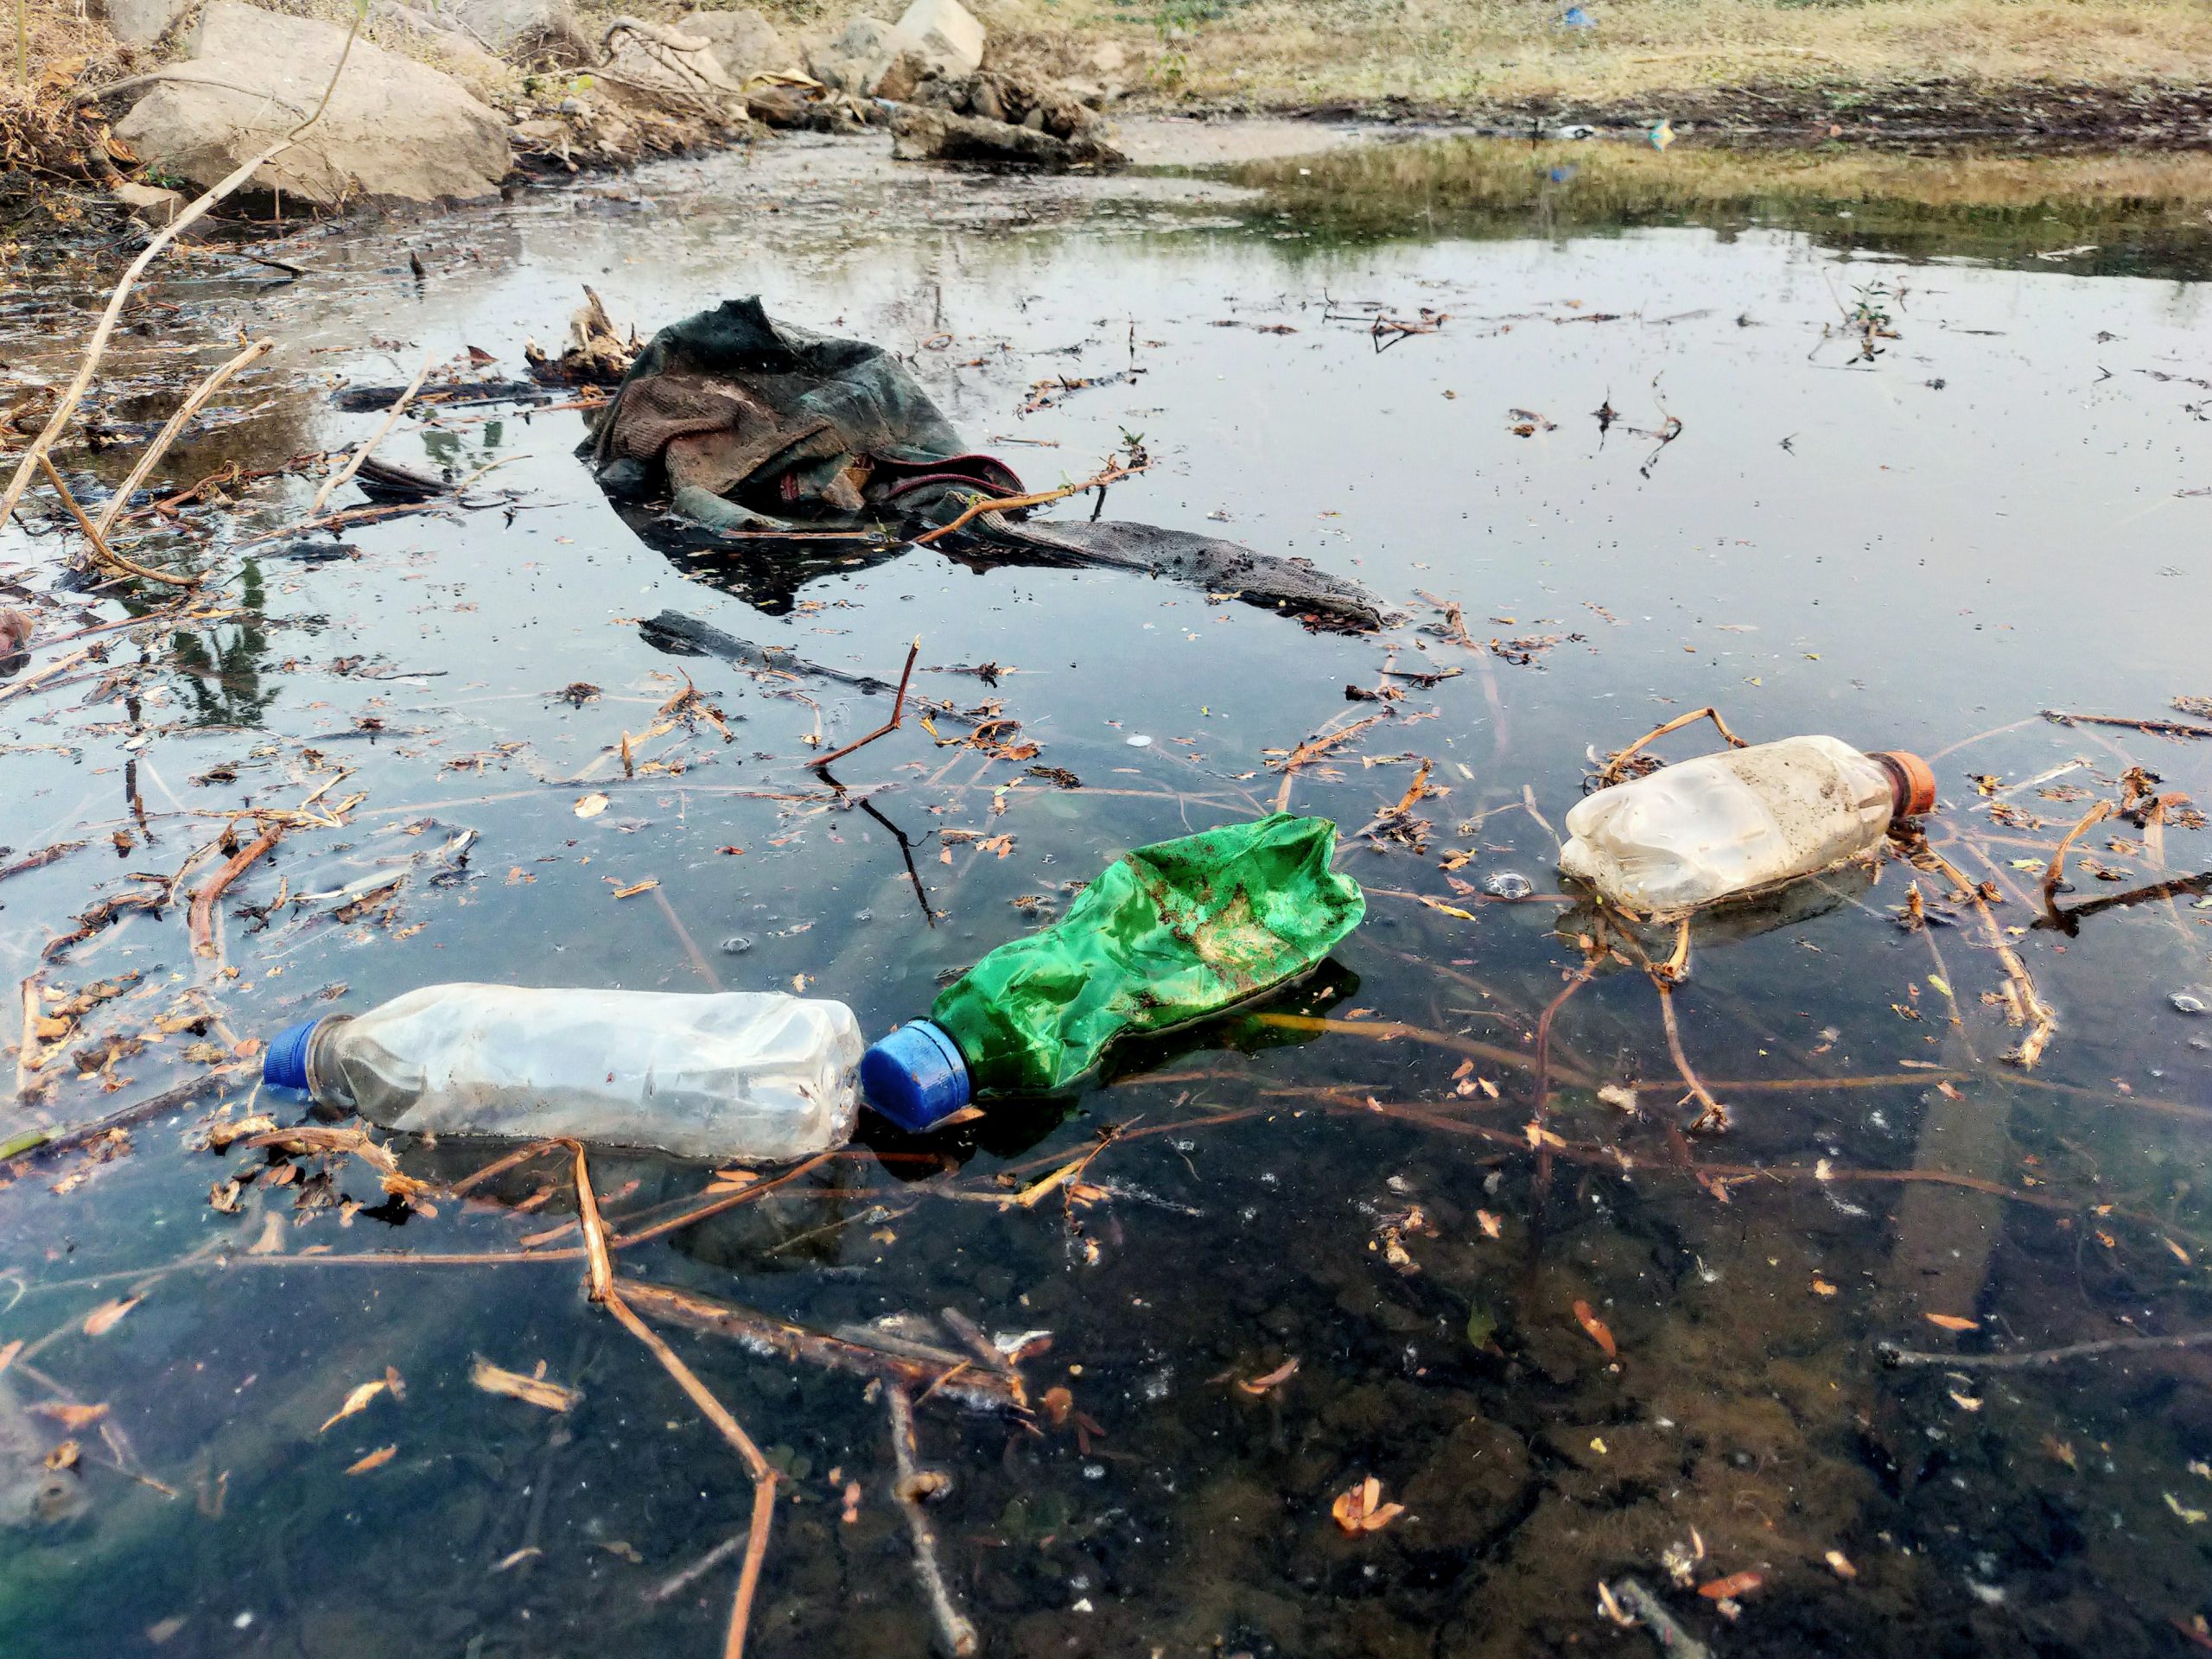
(357, 1401)
(1361, 1509)
(1728, 1589)
(103, 1318)
(69, 1416)
(63, 1456)
(1275, 1378)
(1492, 1226)
(535, 1390)
(376, 1460)
(1596, 1327)
(1953, 1322)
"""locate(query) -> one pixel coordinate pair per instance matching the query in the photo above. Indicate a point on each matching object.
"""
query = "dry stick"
(501, 1166)
(27, 1057)
(955, 1633)
(168, 434)
(1611, 772)
(716, 1205)
(2054, 872)
(2041, 1021)
(74, 392)
(354, 465)
(101, 550)
(1713, 1115)
(2155, 728)
(897, 714)
(1114, 474)
(1384, 1031)
(203, 902)
(2042, 1356)
(763, 1474)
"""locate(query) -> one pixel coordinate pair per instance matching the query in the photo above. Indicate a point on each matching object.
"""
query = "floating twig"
(897, 714)
(955, 1632)
(153, 453)
(390, 419)
(1114, 473)
(203, 902)
(1612, 772)
(1892, 1354)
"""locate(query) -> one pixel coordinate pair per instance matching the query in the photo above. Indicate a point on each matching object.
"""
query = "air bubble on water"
(2190, 1001)
(736, 946)
(1509, 884)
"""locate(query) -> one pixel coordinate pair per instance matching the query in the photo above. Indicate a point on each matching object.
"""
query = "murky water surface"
(2001, 511)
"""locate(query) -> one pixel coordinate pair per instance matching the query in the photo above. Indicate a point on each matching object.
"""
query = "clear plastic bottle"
(760, 1077)
(1739, 821)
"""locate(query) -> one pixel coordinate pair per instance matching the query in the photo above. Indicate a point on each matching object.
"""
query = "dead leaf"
(1596, 1327)
(591, 806)
(8, 1354)
(1281, 1374)
(104, 1319)
(1057, 1403)
(1728, 1589)
(1362, 1509)
(1964, 1401)
(376, 1460)
(1492, 1226)
(535, 1390)
(69, 1416)
(1840, 1564)
(357, 1401)
(635, 887)
(63, 1456)
(1821, 1286)
(271, 1242)
(1953, 1322)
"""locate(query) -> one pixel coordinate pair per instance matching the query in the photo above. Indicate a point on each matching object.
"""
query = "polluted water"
(1824, 1275)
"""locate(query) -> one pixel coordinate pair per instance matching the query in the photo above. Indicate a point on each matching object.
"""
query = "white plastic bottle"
(1739, 821)
(759, 1077)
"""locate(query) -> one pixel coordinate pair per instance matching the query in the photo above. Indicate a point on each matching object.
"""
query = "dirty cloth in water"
(735, 406)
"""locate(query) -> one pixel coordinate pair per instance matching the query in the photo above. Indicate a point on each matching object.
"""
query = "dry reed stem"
(956, 1634)
(73, 393)
(763, 1474)
(101, 551)
(354, 465)
(168, 434)
(203, 902)
(1713, 1116)
(897, 713)
(1114, 473)
(1610, 773)
(2054, 872)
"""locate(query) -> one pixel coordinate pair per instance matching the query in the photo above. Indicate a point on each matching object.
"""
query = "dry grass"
(1460, 52)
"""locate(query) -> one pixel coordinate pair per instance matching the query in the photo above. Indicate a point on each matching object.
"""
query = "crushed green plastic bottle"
(1168, 934)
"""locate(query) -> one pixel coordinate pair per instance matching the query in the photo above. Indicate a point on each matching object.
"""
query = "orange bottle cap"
(1912, 781)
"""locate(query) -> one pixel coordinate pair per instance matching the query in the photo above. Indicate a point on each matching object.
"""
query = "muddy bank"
(1890, 114)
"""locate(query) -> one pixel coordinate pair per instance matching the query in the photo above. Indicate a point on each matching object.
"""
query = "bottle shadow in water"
(1731, 921)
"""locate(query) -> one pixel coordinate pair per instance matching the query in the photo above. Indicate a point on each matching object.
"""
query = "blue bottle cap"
(284, 1064)
(915, 1077)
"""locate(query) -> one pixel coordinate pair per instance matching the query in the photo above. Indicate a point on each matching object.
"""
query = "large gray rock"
(395, 130)
(857, 58)
(140, 22)
(519, 30)
(947, 34)
(745, 42)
